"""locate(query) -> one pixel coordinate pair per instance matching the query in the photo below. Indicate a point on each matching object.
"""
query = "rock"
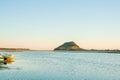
(69, 46)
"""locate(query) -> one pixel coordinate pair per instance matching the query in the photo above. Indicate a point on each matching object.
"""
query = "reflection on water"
(62, 66)
(8, 68)
(3, 67)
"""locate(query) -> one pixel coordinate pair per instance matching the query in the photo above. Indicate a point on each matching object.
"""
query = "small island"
(72, 46)
(69, 46)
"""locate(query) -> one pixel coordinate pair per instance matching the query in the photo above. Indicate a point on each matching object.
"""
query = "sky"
(46, 24)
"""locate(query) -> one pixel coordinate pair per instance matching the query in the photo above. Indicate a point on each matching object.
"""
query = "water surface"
(62, 66)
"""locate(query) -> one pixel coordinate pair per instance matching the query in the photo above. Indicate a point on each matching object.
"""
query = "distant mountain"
(69, 46)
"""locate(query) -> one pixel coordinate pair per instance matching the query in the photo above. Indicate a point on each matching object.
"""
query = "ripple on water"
(62, 66)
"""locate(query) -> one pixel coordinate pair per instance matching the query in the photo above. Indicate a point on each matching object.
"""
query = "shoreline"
(86, 51)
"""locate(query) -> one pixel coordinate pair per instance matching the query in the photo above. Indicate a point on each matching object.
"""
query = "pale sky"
(46, 24)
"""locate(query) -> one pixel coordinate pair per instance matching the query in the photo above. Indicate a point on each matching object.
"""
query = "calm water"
(62, 66)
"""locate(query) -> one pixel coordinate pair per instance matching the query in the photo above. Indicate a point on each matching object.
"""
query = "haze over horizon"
(46, 24)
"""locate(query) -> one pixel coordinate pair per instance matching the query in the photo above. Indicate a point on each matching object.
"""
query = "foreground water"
(62, 66)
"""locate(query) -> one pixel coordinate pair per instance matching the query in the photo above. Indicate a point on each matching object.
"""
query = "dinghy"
(6, 57)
